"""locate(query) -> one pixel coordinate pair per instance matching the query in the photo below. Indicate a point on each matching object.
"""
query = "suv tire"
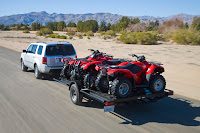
(38, 75)
(23, 67)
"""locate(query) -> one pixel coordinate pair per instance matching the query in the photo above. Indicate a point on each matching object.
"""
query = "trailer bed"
(110, 101)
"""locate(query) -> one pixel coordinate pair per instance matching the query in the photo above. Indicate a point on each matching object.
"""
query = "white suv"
(45, 57)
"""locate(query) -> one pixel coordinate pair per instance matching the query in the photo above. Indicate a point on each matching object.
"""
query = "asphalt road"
(28, 105)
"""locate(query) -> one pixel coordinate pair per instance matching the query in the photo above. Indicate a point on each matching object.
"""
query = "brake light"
(76, 56)
(44, 60)
(59, 44)
(109, 103)
(171, 93)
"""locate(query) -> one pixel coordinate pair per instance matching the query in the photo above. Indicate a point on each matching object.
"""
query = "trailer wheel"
(75, 95)
(157, 84)
(121, 87)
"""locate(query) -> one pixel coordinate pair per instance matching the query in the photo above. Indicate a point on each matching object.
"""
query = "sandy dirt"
(181, 62)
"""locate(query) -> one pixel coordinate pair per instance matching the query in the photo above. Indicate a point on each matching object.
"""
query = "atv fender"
(120, 72)
(153, 69)
(113, 72)
(87, 65)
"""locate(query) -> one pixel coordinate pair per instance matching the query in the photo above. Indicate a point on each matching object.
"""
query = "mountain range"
(44, 17)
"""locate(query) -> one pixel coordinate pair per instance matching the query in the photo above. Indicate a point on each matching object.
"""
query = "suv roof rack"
(63, 41)
(40, 42)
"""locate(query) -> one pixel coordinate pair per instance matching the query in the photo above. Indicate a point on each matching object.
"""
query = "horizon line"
(99, 13)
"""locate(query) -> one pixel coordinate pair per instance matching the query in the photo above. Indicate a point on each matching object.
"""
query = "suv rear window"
(60, 50)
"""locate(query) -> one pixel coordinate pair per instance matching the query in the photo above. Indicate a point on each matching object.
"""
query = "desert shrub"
(110, 32)
(128, 38)
(44, 31)
(80, 35)
(167, 36)
(186, 37)
(90, 33)
(104, 37)
(53, 36)
(156, 35)
(84, 34)
(71, 33)
(63, 37)
(26, 31)
(71, 37)
(145, 38)
(98, 34)
(88, 37)
(102, 33)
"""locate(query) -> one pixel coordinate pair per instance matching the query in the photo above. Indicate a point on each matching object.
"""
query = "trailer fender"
(77, 83)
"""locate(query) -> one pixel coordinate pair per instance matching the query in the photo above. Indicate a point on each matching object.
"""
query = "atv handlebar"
(91, 49)
(97, 53)
(133, 55)
(139, 58)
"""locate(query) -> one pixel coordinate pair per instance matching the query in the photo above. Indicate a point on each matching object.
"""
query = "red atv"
(76, 69)
(122, 79)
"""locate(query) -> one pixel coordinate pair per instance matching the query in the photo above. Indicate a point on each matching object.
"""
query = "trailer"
(77, 92)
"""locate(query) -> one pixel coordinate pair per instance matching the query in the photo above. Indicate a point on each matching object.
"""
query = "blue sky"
(123, 7)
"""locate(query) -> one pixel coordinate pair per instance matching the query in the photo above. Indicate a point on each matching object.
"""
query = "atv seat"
(132, 67)
(111, 62)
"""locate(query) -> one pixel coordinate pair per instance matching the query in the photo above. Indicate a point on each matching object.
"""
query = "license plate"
(109, 108)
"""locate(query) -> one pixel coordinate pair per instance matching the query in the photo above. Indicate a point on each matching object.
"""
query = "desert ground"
(181, 62)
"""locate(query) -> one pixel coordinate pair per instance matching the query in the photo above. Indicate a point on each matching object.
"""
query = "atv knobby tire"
(121, 87)
(89, 80)
(65, 72)
(157, 84)
(101, 83)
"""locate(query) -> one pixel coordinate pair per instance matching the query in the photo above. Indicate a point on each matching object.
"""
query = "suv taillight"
(76, 57)
(44, 60)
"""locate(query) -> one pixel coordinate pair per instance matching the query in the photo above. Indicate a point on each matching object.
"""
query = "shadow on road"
(168, 110)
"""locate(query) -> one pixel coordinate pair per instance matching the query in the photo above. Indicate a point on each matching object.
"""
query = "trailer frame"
(108, 100)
